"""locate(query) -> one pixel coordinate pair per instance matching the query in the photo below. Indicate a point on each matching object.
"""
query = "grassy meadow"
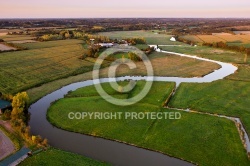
(57, 157)
(202, 139)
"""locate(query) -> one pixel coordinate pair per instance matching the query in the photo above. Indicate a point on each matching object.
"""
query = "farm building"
(173, 39)
(4, 105)
(106, 44)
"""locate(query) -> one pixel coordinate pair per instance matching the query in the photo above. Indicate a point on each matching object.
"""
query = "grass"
(9, 38)
(202, 139)
(211, 53)
(44, 62)
(238, 40)
(168, 65)
(231, 98)
(48, 61)
(149, 36)
(242, 74)
(57, 157)
(50, 44)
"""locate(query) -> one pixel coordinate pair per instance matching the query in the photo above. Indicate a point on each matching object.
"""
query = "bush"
(6, 115)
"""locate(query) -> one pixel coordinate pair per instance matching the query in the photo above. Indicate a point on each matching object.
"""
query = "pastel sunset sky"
(123, 8)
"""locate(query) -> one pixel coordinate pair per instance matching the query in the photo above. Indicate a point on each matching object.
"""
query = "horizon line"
(124, 17)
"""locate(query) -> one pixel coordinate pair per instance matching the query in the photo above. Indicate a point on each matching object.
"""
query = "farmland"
(45, 62)
(22, 70)
(47, 66)
(168, 65)
(151, 37)
(210, 53)
(57, 157)
(173, 66)
(207, 143)
(239, 40)
(12, 38)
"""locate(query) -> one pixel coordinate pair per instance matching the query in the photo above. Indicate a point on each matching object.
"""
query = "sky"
(124, 8)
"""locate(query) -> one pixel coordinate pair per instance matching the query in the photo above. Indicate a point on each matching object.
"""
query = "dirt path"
(6, 146)
(6, 48)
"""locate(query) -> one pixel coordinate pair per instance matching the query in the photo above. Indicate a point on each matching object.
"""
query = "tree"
(19, 105)
(123, 58)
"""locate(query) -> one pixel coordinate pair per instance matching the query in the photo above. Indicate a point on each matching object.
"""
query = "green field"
(57, 158)
(231, 98)
(242, 74)
(210, 53)
(202, 139)
(42, 63)
(149, 36)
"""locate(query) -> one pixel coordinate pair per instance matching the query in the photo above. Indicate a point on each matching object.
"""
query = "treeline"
(73, 34)
(220, 44)
(136, 40)
(226, 46)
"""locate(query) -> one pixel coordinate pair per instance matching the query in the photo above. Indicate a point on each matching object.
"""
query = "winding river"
(109, 151)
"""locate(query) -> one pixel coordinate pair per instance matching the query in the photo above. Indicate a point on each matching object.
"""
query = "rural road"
(6, 146)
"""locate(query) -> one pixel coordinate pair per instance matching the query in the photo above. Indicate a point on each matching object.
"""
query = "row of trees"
(73, 34)
(137, 40)
(226, 46)
(50, 37)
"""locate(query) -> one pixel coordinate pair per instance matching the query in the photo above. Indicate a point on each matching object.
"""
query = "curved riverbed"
(105, 150)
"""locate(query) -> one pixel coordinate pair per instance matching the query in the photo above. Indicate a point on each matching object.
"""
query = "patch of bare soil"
(6, 48)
